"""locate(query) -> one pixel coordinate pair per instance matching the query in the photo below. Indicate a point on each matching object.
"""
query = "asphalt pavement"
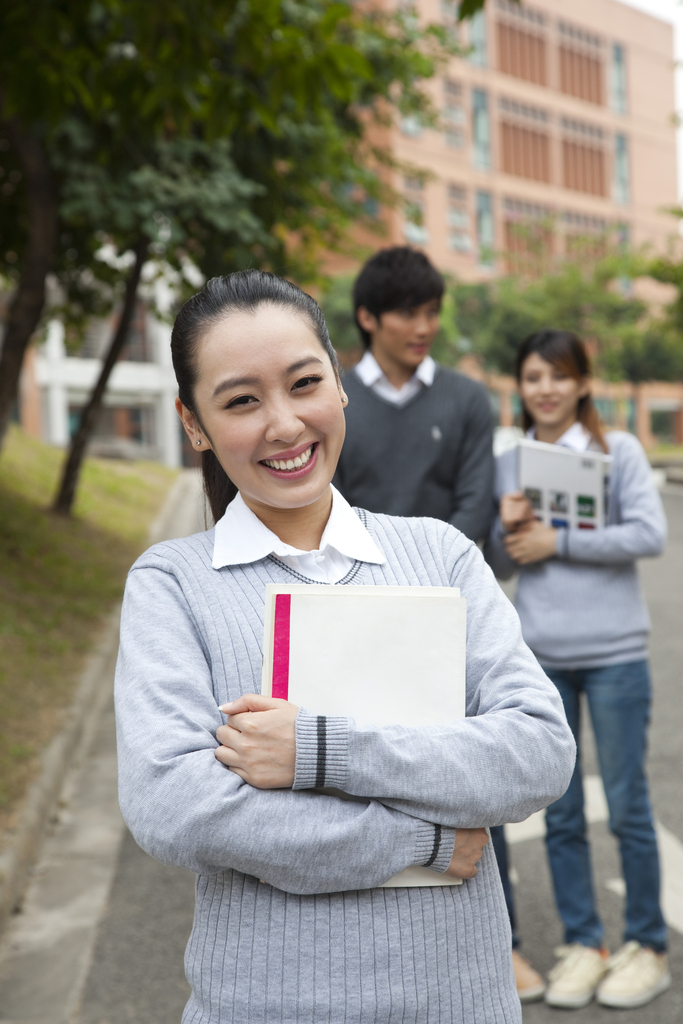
(101, 935)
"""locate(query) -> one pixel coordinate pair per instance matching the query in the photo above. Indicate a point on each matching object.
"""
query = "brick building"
(559, 122)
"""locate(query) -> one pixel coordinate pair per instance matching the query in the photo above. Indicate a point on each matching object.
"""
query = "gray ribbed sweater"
(289, 924)
(432, 456)
(583, 608)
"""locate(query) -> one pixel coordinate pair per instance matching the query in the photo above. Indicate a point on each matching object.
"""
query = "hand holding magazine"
(357, 652)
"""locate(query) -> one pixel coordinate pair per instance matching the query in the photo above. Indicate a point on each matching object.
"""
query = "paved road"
(126, 967)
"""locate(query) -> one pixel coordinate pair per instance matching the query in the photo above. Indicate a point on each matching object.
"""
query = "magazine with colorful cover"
(566, 489)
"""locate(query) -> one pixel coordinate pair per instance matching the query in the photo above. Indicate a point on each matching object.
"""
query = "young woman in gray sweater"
(584, 617)
(292, 923)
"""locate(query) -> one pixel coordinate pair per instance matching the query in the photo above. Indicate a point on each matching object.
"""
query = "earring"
(198, 443)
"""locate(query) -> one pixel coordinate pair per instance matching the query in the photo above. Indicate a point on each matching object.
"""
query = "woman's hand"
(515, 511)
(259, 741)
(467, 852)
(531, 543)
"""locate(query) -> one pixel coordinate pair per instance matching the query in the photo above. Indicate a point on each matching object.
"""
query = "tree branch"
(27, 303)
(64, 499)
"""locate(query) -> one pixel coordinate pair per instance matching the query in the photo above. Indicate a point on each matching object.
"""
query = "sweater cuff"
(562, 543)
(322, 745)
(434, 847)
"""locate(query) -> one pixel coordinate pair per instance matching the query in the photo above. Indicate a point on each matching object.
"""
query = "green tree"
(590, 297)
(230, 132)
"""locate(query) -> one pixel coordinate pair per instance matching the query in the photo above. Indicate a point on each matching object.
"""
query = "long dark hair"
(241, 292)
(567, 353)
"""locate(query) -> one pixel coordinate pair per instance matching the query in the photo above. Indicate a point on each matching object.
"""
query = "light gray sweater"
(584, 608)
(290, 925)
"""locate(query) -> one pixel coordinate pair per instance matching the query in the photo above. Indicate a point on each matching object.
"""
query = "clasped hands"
(259, 744)
(527, 539)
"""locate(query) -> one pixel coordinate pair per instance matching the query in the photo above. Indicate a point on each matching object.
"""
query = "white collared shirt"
(372, 375)
(241, 538)
(577, 437)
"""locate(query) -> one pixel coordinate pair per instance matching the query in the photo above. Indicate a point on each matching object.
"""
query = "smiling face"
(269, 405)
(550, 396)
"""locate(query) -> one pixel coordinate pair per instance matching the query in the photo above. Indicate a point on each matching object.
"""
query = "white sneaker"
(636, 975)
(575, 978)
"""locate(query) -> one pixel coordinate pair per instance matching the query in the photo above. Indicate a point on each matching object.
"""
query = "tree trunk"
(27, 304)
(64, 499)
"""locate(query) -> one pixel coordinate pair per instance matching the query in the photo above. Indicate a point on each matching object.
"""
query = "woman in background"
(583, 615)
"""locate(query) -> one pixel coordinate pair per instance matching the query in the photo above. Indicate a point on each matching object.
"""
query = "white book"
(566, 489)
(379, 655)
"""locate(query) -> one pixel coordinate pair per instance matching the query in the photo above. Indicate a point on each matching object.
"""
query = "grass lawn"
(58, 579)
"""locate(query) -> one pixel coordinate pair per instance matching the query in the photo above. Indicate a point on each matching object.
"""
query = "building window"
(453, 115)
(622, 185)
(485, 233)
(521, 53)
(477, 53)
(523, 13)
(583, 157)
(525, 146)
(413, 228)
(581, 64)
(583, 168)
(458, 220)
(623, 232)
(411, 125)
(481, 130)
(618, 80)
(525, 153)
(528, 236)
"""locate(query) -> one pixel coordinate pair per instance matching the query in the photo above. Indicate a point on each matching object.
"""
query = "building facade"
(138, 418)
(557, 125)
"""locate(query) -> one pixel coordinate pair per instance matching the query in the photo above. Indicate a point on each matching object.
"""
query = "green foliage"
(232, 131)
(336, 303)
(58, 578)
(592, 297)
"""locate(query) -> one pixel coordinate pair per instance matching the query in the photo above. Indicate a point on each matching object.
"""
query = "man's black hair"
(396, 278)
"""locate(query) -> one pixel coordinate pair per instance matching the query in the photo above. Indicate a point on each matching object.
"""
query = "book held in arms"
(380, 655)
(566, 489)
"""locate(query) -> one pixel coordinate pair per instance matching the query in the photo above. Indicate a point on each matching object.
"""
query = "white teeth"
(289, 464)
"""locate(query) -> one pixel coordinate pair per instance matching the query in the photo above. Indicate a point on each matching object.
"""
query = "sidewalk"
(46, 951)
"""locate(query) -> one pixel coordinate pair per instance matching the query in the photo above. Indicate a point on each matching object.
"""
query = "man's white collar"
(369, 371)
(241, 538)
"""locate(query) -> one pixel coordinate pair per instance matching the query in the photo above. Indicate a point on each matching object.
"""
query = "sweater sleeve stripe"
(322, 752)
(435, 848)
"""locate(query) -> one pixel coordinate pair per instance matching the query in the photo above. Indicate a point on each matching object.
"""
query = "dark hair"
(567, 353)
(396, 278)
(241, 292)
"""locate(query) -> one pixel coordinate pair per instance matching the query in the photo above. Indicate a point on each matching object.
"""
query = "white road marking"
(670, 850)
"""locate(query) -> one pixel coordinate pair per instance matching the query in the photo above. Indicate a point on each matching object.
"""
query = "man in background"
(418, 435)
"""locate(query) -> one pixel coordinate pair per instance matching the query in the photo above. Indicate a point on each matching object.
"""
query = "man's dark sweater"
(430, 457)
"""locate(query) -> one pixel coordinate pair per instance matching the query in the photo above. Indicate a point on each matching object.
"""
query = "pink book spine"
(283, 605)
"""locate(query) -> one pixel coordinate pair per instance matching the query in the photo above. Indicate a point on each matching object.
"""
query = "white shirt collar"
(241, 538)
(577, 437)
(369, 371)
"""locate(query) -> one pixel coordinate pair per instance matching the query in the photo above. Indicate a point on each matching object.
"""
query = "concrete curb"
(23, 848)
(18, 858)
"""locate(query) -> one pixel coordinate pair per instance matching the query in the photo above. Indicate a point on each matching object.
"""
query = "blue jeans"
(500, 848)
(619, 699)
